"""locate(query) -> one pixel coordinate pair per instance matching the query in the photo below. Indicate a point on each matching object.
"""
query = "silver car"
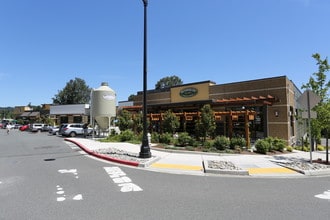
(73, 130)
(54, 130)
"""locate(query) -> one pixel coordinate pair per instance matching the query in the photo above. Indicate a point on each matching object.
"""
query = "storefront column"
(247, 129)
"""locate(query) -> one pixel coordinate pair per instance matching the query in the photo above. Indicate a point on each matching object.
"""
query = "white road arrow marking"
(324, 195)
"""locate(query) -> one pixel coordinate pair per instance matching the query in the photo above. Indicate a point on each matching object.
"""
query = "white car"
(37, 127)
(73, 130)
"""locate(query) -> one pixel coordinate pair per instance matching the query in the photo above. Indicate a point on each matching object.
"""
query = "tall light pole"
(145, 148)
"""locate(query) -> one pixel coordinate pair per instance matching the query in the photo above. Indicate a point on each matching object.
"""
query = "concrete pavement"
(199, 163)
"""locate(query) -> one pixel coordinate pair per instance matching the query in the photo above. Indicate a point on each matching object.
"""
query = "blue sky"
(45, 43)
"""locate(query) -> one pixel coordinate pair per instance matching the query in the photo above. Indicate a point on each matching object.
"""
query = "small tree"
(205, 125)
(320, 86)
(125, 120)
(170, 122)
(138, 123)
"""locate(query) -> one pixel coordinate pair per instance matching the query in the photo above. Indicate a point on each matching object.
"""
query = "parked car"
(73, 130)
(37, 127)
(46, 128)
(24, 127)
(17, 126)
(54, 130)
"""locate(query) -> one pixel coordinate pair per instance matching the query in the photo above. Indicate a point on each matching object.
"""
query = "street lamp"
(145, 149)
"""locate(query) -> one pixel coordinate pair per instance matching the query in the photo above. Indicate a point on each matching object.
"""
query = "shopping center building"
(251, 109)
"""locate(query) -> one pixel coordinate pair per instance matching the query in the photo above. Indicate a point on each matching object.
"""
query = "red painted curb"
(103, 156)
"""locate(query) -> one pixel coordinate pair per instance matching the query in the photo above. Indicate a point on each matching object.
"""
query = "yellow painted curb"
(176, 166)
(270, 170)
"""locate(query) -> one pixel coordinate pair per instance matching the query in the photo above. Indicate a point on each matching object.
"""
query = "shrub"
(221, 142)
(208, 144)
(165, 138)
(275, 144)
(126, 135)
(289, 148)
(306, 149)
(237, 142)
(154, 137)
(184, 139)
(262, 146)
(278, 144)
(320, 148)
(270, 141)
(190, 148)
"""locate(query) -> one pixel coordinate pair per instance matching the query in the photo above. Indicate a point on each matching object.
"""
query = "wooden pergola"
(192, 112)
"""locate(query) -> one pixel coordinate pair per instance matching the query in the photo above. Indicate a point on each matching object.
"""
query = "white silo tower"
(103, 105)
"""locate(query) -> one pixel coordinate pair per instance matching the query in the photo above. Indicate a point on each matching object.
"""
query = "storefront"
(251, 109)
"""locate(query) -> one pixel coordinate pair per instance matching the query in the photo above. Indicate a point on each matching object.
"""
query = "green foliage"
(125, 120)
(170, 122)
(278, 144)
(184, 139)
(262, 146)
(137, 123)
(165, 138)
(306, 149)
(320, 85)
(320, 148)
(237, 142)
(168, 82)
(131, 97)
(221, 142)
(209, 146)
(190, 148)
(205, 125)
(289, 148)
(155, 137)
(75, 92)
(126, 136)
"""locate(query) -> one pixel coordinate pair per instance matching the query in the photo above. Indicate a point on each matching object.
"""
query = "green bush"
(237, 142)
(154, 137)
(320, 148)
(275, 143)
(289, 148)
(270, 141)
(165, 138)
(262, 146)
(208, 144)
(126, 135)
(184, 139)
(278, 144)
(306, 149)
(221, 142)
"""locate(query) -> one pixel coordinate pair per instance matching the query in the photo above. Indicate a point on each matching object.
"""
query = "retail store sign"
(188, 92)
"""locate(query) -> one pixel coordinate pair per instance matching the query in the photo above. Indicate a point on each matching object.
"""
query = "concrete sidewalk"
(198, 163)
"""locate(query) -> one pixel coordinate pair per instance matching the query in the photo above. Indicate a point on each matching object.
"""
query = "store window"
(77, 119)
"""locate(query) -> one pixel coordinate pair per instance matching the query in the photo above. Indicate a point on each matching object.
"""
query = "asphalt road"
(44, 177)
